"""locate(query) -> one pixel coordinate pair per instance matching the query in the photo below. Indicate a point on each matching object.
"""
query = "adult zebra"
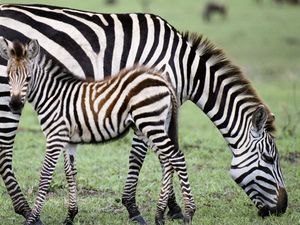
(102, 44)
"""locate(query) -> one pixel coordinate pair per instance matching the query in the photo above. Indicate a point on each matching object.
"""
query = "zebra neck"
(48, 81)
(226, 97)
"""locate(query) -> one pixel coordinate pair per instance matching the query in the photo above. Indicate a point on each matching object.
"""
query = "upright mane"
(207, 49)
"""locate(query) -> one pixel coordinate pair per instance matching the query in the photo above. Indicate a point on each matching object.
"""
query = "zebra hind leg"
(136, 159)
(177, 161)
(172, 159)
(175, 212)
(70, 171)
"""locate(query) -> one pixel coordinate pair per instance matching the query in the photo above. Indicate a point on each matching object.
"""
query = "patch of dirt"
(292, 157)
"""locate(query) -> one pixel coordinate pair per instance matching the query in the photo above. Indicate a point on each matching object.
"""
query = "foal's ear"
(4, 51)
(259, 118)
(33, 49)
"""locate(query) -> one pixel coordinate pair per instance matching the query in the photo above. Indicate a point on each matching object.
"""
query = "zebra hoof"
(159, 221)
(187, 220)
(175, 215)
(68, 222)
(38, 222)
(139, 219)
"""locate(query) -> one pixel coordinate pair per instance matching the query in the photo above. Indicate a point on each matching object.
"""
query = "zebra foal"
(71, 110)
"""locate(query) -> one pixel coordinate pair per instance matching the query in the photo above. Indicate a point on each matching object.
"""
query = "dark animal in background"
(111, 2)
(293, 2)
(214, 7)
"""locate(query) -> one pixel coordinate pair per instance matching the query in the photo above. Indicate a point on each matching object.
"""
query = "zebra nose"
(16, 104)
(282, 201)
(279, 209)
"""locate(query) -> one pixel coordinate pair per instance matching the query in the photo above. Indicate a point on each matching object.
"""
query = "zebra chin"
(16, 105)
(279, 209)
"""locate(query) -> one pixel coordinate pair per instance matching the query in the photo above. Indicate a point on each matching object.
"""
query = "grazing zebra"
(101, 44)
(71, 110)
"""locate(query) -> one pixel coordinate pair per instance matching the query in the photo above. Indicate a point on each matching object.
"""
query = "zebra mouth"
(16, 105)
(266, 211)
(280, 207)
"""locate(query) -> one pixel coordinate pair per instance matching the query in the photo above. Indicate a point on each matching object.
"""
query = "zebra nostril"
(16, 104)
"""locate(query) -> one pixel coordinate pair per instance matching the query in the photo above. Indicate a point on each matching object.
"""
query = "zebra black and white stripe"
(97, 45)
(71, 110)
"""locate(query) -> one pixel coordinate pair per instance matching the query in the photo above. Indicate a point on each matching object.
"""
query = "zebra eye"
(267, 159)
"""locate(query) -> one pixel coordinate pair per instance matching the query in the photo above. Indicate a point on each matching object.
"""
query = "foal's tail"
(173, 126)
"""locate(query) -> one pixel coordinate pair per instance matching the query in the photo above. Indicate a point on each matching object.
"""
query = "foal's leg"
(172, 159)
(177, 161)
(55, 146)
(136, 159)
(70, 172)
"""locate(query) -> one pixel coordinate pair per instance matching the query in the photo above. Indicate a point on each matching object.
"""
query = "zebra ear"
(259, 118)
(4, 48)
(33, 49)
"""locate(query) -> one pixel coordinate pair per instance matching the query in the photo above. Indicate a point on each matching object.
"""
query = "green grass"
(265, 41)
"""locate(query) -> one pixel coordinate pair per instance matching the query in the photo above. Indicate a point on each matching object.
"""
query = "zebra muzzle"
(16, 104)
(280, 207)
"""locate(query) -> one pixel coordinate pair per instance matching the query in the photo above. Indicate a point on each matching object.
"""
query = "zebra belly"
(103, 130)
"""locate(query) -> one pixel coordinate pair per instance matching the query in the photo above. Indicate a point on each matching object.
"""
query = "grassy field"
(264, 40)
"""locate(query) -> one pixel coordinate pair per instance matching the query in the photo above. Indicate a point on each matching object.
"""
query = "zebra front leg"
(136, 159)
(70, 171)
(52, 154)
(20, 204)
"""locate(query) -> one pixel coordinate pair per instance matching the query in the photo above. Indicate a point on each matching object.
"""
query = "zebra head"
(18, 69)
(256, 167)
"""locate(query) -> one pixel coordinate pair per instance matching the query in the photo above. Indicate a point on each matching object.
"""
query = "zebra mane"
(17, 51)
(207, 49)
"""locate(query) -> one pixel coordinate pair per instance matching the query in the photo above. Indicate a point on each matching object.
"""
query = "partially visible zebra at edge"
(92, 43)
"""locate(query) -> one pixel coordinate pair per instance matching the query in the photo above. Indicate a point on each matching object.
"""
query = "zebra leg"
(136, 159)
(172, 159)
(19, 202)
(53, 151)
(174, 212)
(70, 171)
(177, 161)
(164, 192)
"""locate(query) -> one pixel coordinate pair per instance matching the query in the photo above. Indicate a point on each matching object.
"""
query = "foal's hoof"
(38, 222)
(159, 221)
(187, 220)
(68, 222)
(139, 219)
(175, 215)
